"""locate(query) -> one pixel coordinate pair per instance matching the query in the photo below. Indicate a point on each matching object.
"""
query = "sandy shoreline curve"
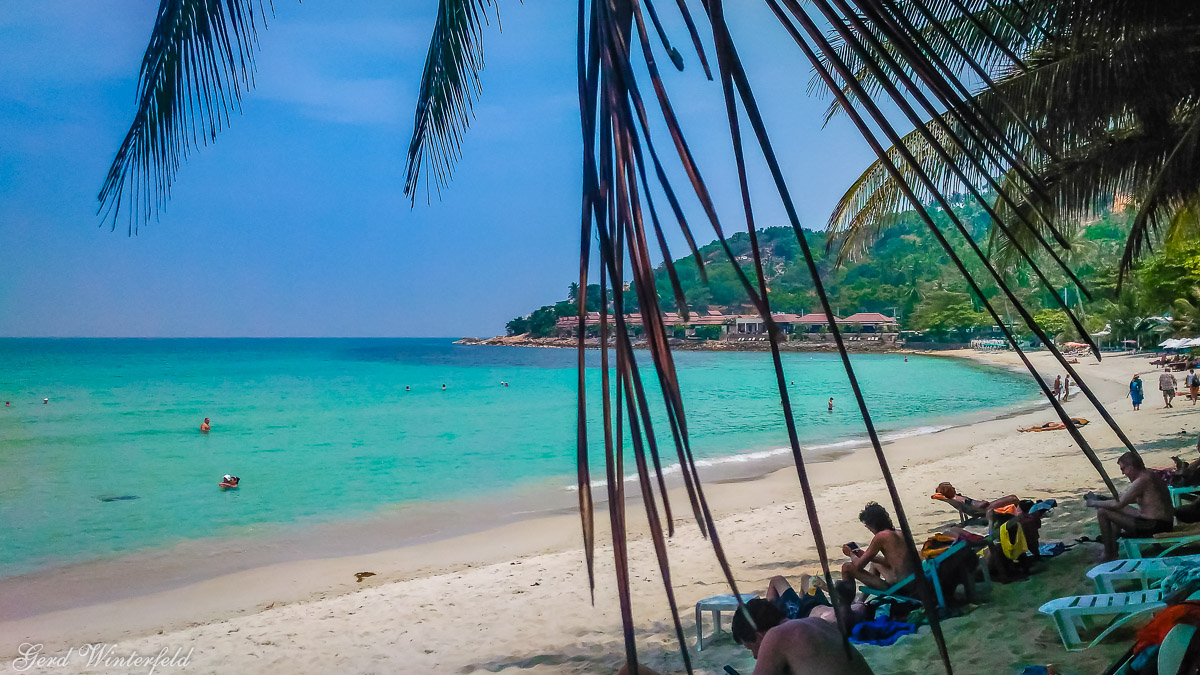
(519, 591)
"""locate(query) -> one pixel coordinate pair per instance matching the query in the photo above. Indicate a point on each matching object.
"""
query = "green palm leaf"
(199, 60)
(449, 87)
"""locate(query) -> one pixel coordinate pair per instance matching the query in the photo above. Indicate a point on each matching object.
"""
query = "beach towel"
(1012, 540)
(880, 632)
(1052, 549)
(1183, 581)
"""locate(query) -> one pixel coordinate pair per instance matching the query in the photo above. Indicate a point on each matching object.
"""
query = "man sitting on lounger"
(1152, 514)
(886, 559)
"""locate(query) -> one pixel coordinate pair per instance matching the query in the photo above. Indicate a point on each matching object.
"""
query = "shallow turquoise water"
(324, 429)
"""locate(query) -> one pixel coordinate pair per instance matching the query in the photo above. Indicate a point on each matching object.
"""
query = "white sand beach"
(515, 598)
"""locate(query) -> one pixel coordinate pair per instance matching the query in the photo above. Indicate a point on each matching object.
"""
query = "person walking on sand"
(1143, 510)
(1193, 384)
(1136, 392)
(1058, 387)
(1066, 388)
(205, 426)
(1167, 384)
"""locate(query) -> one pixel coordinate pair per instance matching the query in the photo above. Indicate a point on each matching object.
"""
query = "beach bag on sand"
(936, 545)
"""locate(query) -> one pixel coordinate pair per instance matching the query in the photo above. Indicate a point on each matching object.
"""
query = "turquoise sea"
(323, 429)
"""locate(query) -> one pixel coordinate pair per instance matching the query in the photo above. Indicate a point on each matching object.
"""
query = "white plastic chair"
(1147, 571)
(1068, 613)
(715, 605)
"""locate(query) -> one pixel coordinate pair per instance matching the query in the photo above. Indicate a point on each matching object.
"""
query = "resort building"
(809, 327)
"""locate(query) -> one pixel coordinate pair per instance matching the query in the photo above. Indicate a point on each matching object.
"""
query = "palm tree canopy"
(1102, 103)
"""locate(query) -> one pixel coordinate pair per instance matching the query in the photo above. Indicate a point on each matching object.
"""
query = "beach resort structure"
(809, 327)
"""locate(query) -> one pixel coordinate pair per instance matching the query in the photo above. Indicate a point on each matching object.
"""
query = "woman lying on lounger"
(973, 508)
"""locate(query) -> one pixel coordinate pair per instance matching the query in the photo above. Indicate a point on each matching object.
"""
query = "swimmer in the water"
(45, 401)
(228, 481)
(830, 404)
(443, 387)
(205, 426)
(406, 388)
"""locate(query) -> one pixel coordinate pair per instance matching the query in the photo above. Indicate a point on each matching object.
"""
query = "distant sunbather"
(973, 508)
(1055, 426)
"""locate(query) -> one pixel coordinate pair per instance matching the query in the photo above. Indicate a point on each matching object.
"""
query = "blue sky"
(294, 222)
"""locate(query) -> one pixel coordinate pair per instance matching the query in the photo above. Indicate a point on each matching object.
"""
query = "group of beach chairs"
(1146, 564)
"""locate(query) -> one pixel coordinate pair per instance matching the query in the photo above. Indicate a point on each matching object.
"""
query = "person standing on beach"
(1167, 384)
(1058, 387)
(1136, 392)
(1152, 514)
(1066, 388)
(1193, 383)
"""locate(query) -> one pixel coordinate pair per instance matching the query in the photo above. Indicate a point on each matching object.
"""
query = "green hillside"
(906, 273)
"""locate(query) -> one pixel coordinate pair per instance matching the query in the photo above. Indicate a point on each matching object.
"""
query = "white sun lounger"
(1069, 612)
(1147, 571)
(1132, 548)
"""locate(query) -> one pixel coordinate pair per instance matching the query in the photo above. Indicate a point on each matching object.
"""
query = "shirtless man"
(886, 554)
(205, 426)
(792, 646)
(1152, 515)
(788, 646)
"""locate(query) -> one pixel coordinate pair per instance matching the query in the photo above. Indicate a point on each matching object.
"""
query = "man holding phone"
(886, 555)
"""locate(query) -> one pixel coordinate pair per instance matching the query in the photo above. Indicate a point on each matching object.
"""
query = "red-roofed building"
(871, 322)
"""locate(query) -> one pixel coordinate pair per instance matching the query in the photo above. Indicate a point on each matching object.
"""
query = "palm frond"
(450, 85)
(199, 60)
